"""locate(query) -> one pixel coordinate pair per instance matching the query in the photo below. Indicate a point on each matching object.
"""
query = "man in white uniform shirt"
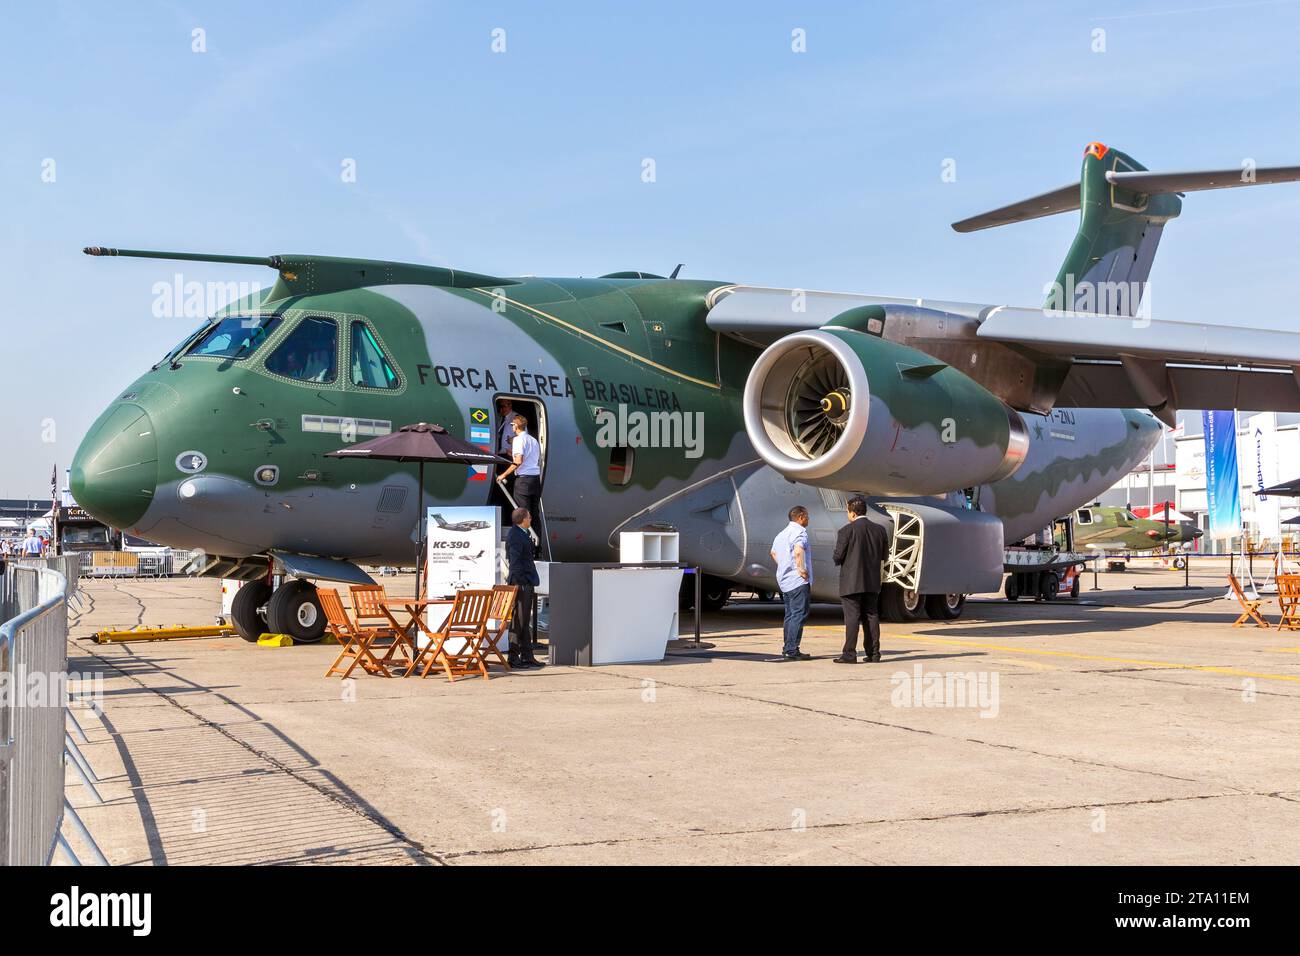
(527, 455)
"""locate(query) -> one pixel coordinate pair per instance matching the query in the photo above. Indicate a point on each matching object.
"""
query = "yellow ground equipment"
(160, 633)
(284, 640)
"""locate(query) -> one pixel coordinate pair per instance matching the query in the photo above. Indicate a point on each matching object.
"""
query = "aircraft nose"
(115, 470)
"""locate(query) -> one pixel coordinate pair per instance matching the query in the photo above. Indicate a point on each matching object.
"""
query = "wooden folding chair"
(500, 616)
(1288, 599)
(367, 609)
(467, 624)
(1249, 607)
(355, 640)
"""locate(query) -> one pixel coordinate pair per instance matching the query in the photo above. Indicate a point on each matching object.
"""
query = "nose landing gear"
(295, 610)
(245, 610)
(292, 609)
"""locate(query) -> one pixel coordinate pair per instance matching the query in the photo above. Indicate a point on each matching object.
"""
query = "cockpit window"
(309, 353)
(369, 367)
(236, 337)
(180, 346)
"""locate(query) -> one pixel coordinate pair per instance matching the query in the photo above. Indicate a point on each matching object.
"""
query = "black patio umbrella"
(1287, 489)
(420, 443)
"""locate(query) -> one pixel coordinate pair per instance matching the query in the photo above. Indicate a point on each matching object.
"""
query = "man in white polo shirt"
(527, 454)
(793, 558)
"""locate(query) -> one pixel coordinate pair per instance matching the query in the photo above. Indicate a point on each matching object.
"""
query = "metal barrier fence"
(132, 564)
(34, 711)
(33, 646)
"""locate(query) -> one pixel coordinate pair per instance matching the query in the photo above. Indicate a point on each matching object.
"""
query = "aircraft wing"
(1117, 361)
(762, 314)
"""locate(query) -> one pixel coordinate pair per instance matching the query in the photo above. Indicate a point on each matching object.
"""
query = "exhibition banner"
(1264, 473)
(1222, 481)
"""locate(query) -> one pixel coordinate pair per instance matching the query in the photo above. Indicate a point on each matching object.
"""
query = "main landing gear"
(292, 609)
(904, 605)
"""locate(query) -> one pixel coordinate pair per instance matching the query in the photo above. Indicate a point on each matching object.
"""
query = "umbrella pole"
(419, 543)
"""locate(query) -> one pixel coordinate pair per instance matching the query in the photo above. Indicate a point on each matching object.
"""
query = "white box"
(638, 547)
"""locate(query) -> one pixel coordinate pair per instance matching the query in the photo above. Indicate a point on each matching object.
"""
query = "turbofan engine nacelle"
(840, 408)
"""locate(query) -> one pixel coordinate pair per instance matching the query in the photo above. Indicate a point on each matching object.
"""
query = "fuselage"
(226, 452)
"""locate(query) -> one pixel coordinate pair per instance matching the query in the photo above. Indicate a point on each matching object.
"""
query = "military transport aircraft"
(465, 526)
(970, 425)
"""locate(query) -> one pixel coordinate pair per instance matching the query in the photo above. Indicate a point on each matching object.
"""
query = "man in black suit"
(523, 575)
(860, 549)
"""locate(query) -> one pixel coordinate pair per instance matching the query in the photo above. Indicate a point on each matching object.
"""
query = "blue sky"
(818, 169)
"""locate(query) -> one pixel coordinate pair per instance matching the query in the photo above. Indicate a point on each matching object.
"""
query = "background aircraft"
(970, 425)
(1119, 529)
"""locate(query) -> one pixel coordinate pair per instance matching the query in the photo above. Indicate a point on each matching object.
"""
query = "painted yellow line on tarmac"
(1177, 665)
(1034, 665)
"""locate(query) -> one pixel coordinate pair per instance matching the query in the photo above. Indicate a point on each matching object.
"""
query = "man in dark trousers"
(523, 575)
(860, 548)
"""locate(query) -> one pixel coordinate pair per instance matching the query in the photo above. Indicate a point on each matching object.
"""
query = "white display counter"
(611, 613)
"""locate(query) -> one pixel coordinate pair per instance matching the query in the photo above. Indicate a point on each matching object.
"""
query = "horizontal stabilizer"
(1121, 172)
(1064, 199)
(1150, 183)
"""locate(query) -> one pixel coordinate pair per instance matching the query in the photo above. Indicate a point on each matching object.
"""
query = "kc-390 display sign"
(462, 549)
(461, 553)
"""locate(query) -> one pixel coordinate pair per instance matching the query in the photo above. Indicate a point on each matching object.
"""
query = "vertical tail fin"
(1108, 264)
(1123, 209)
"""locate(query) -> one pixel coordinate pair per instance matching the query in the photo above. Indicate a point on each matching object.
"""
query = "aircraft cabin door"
(506, 407)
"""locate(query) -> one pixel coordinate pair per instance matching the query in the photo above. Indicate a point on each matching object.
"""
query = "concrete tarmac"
(1135, 727)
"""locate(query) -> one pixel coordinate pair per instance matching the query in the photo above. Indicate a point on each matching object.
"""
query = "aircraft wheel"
(1012, 588)
(243, 610)
(1179, 563)
(715, 593)
(295, 610)
(914, 607)
(945, 607)
(1049, 585)
(900, 606)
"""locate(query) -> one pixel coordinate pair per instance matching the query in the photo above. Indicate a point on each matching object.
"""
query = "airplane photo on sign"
(458, 525)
